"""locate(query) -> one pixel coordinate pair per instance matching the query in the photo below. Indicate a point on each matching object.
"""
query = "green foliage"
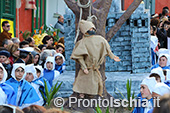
(128, 88)
(26, 34)
(49, 95)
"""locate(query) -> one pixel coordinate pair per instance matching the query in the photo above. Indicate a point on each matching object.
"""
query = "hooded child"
(25, 93)
(147, 86)
(49, 70)
(163, 59)
(59, 62)
(32, 77)
(4, 59)
(7, 94)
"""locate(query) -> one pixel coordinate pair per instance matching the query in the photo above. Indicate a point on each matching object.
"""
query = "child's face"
(49, 65)
(29, 77)
(1, 74)
(19, 72)
(59, 50)
(50, 42)
(59, 60)
(36, 59)
(145, 91)
(163, 61)
(3, 58)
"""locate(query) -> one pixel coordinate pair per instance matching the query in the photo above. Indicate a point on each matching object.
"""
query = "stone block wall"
(131, 43)
(69, 40)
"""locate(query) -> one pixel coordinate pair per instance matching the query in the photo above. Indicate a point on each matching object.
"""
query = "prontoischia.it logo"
(111, 102)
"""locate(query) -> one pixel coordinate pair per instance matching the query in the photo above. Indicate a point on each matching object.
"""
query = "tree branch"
(122, 19)
(72, 4)
(101, 3)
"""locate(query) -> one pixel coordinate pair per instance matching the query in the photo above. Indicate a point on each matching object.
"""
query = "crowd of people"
(25, 69)
(158, 83)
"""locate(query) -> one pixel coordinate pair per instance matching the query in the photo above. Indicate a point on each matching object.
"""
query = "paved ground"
(115, 80)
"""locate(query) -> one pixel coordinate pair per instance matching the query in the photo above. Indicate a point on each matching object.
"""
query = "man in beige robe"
(90, 52)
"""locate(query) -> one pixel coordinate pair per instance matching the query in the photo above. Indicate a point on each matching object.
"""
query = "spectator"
(4, 55)
(45, 54)
(60, 48)
(48, 40)
(42, 47)
(49, 67)
(147, 87)
(59, 25)
(155, 22)
(14, 51)
(30, 60)
(163, 62)
(164, 16)
(159, 71)
(24, 55)
(34, 109)
(25, 94)
(40, 77)
(36, 57)
(154, 44)
(15, 40)
(31, 77)
(59, 62)
(6, 42)
(5, 34)
(24, 44)
(7, 94)
(157, 77)
(31, 41)
(164, 29)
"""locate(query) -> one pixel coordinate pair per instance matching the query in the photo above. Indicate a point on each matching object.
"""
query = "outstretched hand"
(116, 59)
(86, 71)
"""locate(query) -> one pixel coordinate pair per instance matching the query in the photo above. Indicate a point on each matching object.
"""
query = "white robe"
(3, 97)
(36, 87)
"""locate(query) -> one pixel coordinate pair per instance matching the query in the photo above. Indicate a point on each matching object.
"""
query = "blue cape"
(49, 76)
(157, 65)
(60, 67)
(9, 91)
(153, 57)
(141, 109)
(28, 95)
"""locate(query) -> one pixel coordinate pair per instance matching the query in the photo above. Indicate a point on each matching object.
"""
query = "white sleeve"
(63, 68)
(56, 74)
(3, 97)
